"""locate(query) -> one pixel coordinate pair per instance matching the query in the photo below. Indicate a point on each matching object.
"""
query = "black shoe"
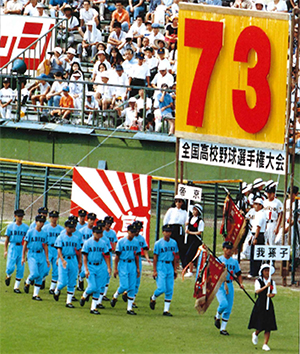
(100, 306)
(167, 313)
(56, 297)
(113, 302)
(95, 312)
(105, 298)
(87, 299)
(152, 303)
(17, 291)
(43, 285)
(80, 286)
(224, 333)
(82, 301)
(74, 299)
(51, 291)
(26, 288)
(7, 281)
(70, 306)
(32, 282)
(134, 306)
(131, 312)
(124, 297)
(36, 298)
(217, 323)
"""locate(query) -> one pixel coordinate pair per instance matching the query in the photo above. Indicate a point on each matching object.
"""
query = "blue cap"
(119, 67)
(42, 77)
(161, 51)
(155, 25)
(66, 88)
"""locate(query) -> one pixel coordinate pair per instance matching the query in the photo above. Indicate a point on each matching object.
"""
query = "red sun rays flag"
(234, 224)
(125, 196)
(209, 277)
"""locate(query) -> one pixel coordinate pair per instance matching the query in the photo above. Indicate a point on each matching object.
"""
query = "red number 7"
(207, 35)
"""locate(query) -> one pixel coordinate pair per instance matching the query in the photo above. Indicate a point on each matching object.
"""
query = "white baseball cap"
(258, 201)
(71, 51)
(58, 50)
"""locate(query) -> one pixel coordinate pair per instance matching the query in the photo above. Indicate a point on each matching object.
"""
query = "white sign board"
(275, 253)
(190, 192)
(242, 158)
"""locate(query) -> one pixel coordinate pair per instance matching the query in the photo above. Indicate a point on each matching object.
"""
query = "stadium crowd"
(131, 44)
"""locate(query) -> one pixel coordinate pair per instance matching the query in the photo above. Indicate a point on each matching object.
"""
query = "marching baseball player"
(52, 231)
(127, 266)
(41, 211)
(69, 262)
(81, 219)
(15, 234)
(165, 263)
(36, 243)
(97, 267)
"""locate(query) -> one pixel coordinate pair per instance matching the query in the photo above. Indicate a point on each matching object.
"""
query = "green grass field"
(49, 327)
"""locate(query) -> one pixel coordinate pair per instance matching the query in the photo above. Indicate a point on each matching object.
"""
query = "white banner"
(19, 32)
(242, 158)
(274, 253)
(190, 192)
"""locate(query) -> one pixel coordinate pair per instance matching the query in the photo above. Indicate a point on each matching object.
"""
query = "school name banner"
(242, 158)
(125, 196)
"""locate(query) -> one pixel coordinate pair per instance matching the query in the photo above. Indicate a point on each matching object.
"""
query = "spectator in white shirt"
(139, 75)
(277, 6)
(127, 43)
(87, 14)
(116, 37)
(130, 114)
(138, 29)
(91, 106)
(162, 77)
(41, 10)
(105, 93)
(73, 25)
(91, 38)
(155, 35)
(129, 61)
(6, 98)
(43, 88)
(119, 78)
(13, 7)
(31, 9)
(76, 89)
(54, 95)
(101, 59)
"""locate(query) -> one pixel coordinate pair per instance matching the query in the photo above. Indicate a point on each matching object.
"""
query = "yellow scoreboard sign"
(232, 76)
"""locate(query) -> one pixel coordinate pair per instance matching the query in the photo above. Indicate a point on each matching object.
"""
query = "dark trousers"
(178, 236)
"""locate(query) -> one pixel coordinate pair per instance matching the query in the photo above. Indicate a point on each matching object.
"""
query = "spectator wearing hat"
(166, 107)
(274, 210)
(243, 4)
(116, 37)
(36, 243)
(81, 219)
(155, 35)
(128, 43)
(65, 102)
(177, 216)
(41, 10)
(91, 38)
(194, 229)
(120, 15)
(76, 89)
(13, 7)
(129, 61)
(162, 77)
(97, 267)
(6, 98)
(69, 261)
(87, 14)
(91, 106)
(225, 294)
(41, 211)
(165, 264)
(130, 114)
(258, 234)
(263, 319)
(15, 234)
(52, 231)
(127, 267)
(56, 64)
(105, 93)
(162, 55)
(139, 75)
(257, 187)
(68, 59)
(171, 34)
(57, 7)
(259, 5)
(121, 79)
(241, 199)
(135, 9)
(101, 59)
(73, 25)
(31, 8)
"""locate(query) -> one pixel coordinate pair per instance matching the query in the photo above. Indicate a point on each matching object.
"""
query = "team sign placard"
(275, 253)
(232, 156)
(232, 72)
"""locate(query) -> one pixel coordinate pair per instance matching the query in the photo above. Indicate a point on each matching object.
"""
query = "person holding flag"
(225, 294)
(263, 316)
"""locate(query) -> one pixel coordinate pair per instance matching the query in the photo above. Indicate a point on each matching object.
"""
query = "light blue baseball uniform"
(36, 255)
(112, 237)
(67, 276)
(142, 245)
(52, 234)
(127, 250)
(79, 226)
(15, 236)
(95, 251)
(86, 233)
(165, 251)
(226, 300)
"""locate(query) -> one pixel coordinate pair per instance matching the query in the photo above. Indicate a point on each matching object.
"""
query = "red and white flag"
(125, 196)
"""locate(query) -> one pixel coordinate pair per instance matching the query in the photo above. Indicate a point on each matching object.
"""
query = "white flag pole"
(269, 288)
(187, 219)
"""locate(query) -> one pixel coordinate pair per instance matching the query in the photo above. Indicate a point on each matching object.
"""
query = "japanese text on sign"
(190, 192)
(275, 253)
(271, 161)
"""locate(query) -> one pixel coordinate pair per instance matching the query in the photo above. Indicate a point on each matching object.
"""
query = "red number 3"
(252, 120)
(210, 37)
